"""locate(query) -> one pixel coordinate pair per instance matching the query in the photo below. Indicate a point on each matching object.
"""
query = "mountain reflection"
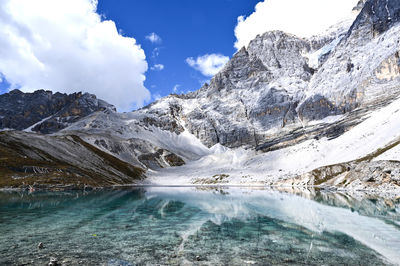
(211, 226)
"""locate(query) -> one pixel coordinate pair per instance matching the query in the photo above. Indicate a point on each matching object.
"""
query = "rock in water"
(53, 262)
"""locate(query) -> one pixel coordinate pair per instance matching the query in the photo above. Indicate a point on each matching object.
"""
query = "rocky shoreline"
(374, 191)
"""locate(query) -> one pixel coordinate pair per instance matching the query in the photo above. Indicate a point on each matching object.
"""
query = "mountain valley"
(284, 111)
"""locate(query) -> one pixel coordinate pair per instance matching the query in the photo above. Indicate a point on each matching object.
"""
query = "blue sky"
(188, 28)
(4, 86)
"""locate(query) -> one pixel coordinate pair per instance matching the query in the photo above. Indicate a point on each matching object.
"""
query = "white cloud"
(157, 67)
(65, 46)
(303, 18)
(156, 96)
(176, 88)
(209, 64)
(156, 52)
(154, 38)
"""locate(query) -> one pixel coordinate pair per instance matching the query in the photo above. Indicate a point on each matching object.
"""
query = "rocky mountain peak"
(281, 53)
(378, 16)
(45, 112)
(359, 6)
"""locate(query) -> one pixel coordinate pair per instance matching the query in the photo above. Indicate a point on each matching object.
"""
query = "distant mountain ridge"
(20, 110)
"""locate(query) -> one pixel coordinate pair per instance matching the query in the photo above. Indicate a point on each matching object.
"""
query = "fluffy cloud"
(156, 52)
(63, 45)
(154, 38)
(157, 67)
(209, 64)
(156, 96)
(176, 88)
(303, 18)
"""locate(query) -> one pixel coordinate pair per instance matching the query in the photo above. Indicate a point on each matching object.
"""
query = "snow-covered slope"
(239, 166)
(136, 125)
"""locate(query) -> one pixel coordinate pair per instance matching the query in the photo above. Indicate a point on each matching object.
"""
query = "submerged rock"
(53, 262)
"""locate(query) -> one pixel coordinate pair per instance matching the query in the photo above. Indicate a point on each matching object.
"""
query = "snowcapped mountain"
(284, 110)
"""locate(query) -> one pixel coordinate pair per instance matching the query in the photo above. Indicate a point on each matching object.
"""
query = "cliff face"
(357, 69)
(45, 112)
(378, 15)
(354, 74)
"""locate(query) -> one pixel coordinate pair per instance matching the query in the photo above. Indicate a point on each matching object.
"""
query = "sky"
(188, 30)
(132, 52)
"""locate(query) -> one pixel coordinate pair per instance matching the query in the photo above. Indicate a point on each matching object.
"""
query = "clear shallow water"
(175, 226)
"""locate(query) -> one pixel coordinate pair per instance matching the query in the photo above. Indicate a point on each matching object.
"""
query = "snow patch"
(391, 155)
(314, 57)
(6, 129)
(29, 129)
(327, 120)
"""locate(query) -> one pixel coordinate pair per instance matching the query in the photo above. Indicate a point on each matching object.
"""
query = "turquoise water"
(185, 226)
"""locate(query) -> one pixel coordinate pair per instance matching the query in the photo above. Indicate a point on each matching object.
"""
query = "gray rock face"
(350, 76)
(166, 118)
(257, 90)
(20, 110)
(380, 15)
(364, 175)
(359, 5)
(281, 53)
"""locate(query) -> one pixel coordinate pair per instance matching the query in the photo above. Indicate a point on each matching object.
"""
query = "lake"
(201, 226)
